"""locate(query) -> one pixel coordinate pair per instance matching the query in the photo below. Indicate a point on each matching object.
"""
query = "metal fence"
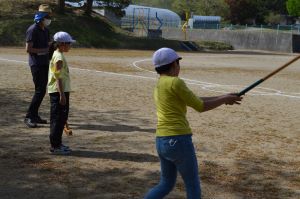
(281, 38)
(295, 29)
(137, 24)
(130, 22)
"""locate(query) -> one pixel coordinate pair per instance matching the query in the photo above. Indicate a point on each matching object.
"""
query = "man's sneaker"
(65, 147)
(39, 120)
(30, 122)
(67, 129)
(60, 151)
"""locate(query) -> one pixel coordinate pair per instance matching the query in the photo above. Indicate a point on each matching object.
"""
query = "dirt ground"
(246, 151)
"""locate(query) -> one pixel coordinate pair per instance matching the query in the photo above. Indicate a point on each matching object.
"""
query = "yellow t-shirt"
(172, 96)
(62, 74)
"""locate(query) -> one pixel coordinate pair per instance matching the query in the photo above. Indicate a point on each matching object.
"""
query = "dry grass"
(90, 52)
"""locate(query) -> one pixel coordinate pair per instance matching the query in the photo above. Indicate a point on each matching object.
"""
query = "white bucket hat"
(63, 37)
(164, 56)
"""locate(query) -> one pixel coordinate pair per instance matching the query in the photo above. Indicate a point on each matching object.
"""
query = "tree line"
(115, 6)
(232, 11)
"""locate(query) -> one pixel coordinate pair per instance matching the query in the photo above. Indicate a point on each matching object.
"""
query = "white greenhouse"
(150, 17)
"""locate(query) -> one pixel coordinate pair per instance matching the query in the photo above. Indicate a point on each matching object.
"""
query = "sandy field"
(246, 151)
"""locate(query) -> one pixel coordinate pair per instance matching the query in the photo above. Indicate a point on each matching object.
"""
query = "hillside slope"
(89, 31)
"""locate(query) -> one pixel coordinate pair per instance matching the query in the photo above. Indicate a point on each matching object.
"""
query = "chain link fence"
(283, 38)
(135, 24)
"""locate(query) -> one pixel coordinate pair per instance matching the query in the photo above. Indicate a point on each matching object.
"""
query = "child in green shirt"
(173, 135)
(59, 88)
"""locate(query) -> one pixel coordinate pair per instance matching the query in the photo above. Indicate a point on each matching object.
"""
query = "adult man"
(37, 47)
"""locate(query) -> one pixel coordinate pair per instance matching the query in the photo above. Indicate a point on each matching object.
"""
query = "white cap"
(164, 56)
(63, 37)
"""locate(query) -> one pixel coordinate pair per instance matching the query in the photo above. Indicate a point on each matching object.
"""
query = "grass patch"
(213, 45)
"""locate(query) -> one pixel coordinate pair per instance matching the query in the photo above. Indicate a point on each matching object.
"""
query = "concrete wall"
(254, 40)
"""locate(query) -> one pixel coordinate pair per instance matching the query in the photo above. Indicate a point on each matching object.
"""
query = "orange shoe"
(67, 129)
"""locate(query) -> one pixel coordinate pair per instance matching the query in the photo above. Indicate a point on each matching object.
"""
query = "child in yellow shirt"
(59, 87)
(173, 134)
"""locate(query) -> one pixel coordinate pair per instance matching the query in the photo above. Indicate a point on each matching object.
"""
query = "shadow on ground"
(26, 172)
(255, 178)
(116, 155)
(13, 106)
(111, 121)
(111, 128)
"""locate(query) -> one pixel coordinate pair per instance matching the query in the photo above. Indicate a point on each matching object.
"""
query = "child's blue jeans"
(176, 153)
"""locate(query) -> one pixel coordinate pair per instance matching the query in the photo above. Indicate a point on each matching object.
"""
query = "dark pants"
(58, 118)
(40, 80)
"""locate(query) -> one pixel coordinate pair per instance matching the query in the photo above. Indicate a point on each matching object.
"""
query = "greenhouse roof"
(162, 13)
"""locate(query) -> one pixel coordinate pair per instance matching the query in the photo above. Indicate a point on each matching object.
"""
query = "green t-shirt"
(172, 96)
(62, 74)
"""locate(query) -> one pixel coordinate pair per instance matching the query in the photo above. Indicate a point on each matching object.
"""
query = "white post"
(277, 34)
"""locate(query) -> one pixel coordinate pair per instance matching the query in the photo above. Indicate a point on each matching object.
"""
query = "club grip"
(250, 87)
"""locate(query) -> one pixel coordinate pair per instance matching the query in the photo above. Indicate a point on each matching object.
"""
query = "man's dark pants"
(40, 80)
(58, 118)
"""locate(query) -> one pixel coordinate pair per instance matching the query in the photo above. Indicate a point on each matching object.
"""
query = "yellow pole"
(185, 25)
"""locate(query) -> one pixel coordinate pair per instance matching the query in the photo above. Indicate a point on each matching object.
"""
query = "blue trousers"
(176, 153)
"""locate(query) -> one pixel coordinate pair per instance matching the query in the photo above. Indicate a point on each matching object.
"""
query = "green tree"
(167, 4)
(213, 8)
(273, 19)
(276, 6)
(254, 11)
(116, 6)
(293, 7)
(184, 6)
(201, 7)
(269, 9)
(242, 11)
